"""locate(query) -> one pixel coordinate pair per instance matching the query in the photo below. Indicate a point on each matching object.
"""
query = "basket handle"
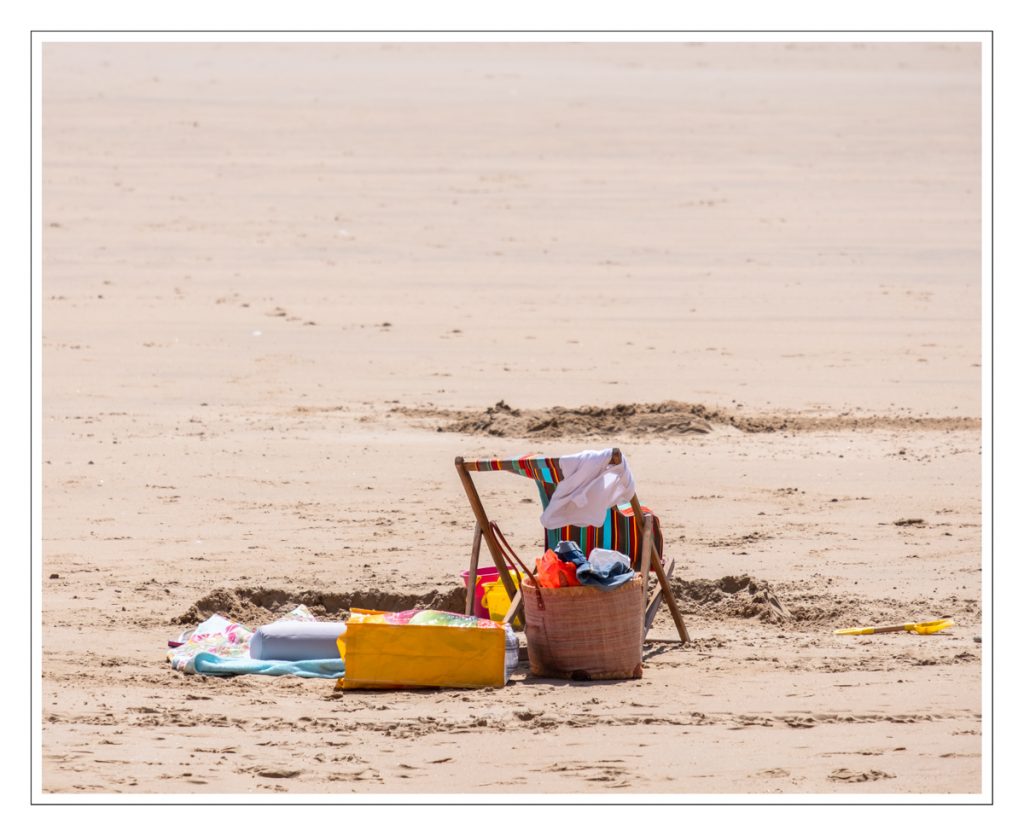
(509, 554)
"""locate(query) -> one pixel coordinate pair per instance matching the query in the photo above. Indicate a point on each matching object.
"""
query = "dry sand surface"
(284, 285)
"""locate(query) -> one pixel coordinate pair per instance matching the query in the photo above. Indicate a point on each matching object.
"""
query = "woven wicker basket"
(579, 632)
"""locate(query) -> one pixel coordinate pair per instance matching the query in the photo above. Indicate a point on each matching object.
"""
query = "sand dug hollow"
(733, 597)
(729, 597)
(253, 606)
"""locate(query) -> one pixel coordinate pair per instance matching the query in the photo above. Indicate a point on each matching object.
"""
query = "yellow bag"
(381, 655)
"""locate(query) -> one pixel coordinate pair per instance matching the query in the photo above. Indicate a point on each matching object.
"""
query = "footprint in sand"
(603, 771)
(849, 776)
(775, 772)
(279, 773)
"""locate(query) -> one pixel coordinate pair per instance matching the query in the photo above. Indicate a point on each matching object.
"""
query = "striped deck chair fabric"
(619, 532)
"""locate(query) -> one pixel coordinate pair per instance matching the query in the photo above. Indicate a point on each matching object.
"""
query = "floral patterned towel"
(221, 646)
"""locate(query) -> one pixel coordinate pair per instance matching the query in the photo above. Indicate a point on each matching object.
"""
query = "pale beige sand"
(272, 272)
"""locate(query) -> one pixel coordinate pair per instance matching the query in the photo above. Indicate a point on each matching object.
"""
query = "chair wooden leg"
(659, 570)
(673, 607)
(656, 599)
(646, 544)
(474, 560)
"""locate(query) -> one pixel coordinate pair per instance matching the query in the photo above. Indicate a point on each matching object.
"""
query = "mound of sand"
(731, 597)
(816, 604)
(664, 418)
(503, 421)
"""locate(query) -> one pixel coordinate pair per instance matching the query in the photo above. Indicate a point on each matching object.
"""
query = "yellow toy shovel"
(922, 628)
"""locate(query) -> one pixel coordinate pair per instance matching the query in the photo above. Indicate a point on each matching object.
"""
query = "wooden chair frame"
(482, 533)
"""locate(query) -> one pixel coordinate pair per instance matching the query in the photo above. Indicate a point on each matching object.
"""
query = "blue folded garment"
(605, 569)
(569, 552)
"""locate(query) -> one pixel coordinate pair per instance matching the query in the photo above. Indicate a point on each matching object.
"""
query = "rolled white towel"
(297, 641)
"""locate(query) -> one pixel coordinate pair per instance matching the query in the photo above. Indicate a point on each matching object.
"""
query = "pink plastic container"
(483, 575)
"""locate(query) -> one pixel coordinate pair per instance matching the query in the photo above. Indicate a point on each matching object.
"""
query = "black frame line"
(991, 423)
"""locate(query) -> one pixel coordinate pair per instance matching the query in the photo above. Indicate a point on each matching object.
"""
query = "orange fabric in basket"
(553, 573)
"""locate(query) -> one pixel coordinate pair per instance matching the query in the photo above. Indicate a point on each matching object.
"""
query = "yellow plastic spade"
(922, 628)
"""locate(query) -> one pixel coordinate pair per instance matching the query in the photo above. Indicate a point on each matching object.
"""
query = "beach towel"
(221, 647)
(212, 665)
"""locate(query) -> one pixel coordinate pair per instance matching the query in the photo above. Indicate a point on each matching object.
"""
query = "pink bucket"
(484, 574)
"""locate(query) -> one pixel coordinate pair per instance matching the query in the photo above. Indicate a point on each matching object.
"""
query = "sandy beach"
(284, 285)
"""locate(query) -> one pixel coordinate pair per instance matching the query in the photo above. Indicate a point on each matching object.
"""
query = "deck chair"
(628, 528)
